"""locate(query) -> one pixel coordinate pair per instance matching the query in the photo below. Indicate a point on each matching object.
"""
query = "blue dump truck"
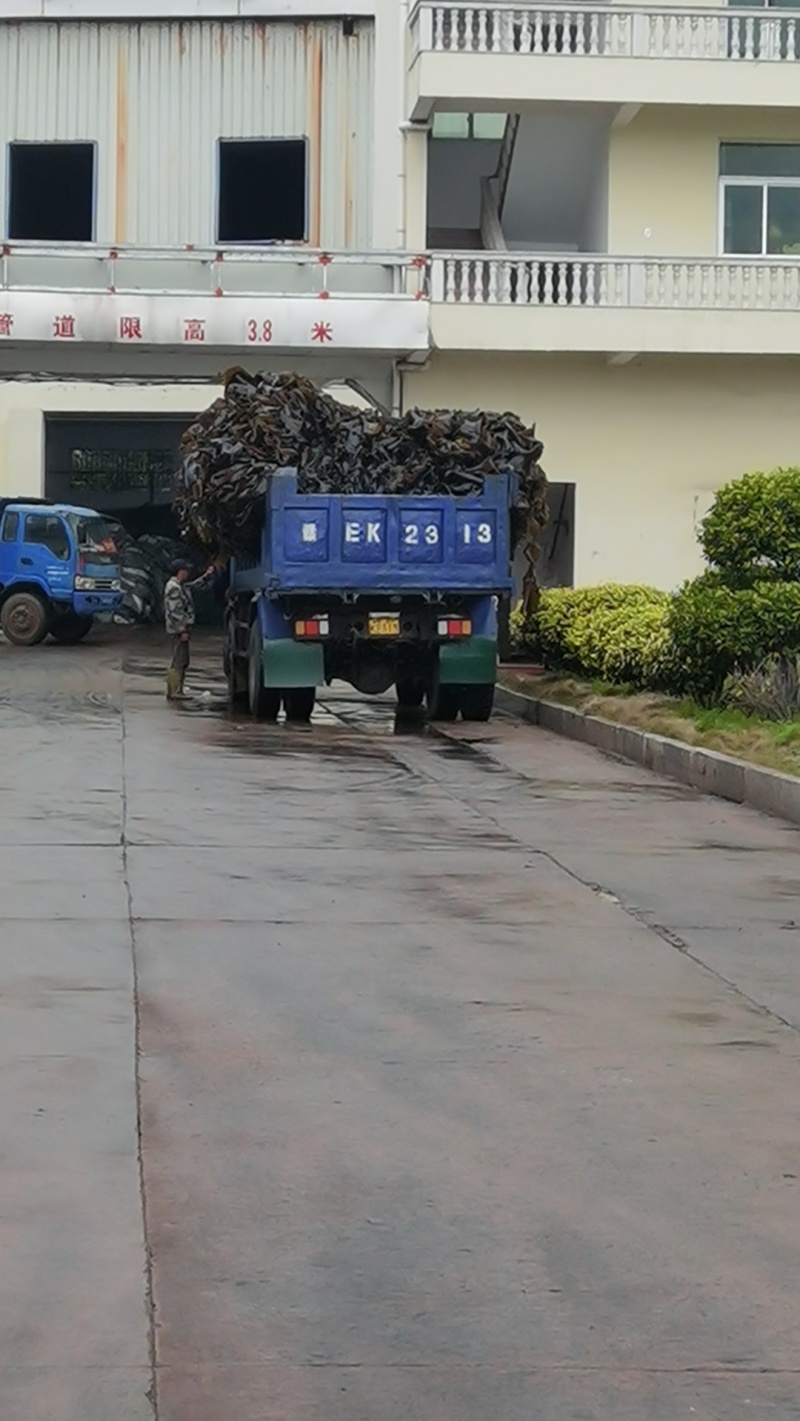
(378, 590)
(59, 568)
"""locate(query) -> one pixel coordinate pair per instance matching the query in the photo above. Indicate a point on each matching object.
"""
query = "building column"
(388, 216)
(416, 189)
(21, 450)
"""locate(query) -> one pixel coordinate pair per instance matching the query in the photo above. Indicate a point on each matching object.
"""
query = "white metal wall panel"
(156, 98)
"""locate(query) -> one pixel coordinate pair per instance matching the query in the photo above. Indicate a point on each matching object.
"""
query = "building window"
(262, 190)
(469, 125)
(760, 198)
(51, 192)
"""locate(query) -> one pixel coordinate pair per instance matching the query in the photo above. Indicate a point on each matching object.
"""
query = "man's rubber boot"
(173, 685)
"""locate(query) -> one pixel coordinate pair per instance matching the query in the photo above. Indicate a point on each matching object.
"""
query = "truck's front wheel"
(24, 619)
(70, 629)
(264, 702)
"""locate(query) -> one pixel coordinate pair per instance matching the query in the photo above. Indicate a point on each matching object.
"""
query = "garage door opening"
(51, 192)
(125, 469)
(556, 563)
(262, 190)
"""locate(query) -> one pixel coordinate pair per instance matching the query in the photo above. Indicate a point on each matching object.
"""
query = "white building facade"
(586, 214)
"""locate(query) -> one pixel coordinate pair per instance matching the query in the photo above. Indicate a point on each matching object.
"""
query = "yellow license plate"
(384, 626)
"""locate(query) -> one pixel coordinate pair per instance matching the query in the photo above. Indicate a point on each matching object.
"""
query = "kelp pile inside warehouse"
(264, 423)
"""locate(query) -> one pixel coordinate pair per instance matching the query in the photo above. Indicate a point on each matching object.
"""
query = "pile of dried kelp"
(269, 422)
(144, 571)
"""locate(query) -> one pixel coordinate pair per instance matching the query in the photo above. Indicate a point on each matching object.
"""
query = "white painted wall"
(555, 193)
(646, 443)
(664, 175)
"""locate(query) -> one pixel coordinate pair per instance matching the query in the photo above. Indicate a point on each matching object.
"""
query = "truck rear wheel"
(235, 670)
(236, 677)
(70, 629)
(264, 702)
(444, 703)
(299, 703)
(477, 701)
(410, 694)
(24, 619)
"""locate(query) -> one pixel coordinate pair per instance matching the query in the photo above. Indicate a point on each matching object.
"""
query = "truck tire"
(410, 694)
(444, 703)
(477, 701)
(71, 629)
(263, 701)
(24, 619)
(236, 680)
(235, 674)
(299, 703)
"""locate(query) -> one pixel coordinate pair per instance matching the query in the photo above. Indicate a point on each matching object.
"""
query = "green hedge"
(688, 643)
(752, 532)
(715, 630)
(612, 632)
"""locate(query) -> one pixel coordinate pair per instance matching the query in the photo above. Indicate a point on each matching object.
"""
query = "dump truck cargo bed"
(386, 543)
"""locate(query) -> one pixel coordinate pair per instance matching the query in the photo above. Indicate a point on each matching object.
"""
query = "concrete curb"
(705, 770)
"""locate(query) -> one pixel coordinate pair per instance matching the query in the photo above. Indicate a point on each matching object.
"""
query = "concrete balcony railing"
(617, 31)
(626, 53)
(597, 303)
(211, 271)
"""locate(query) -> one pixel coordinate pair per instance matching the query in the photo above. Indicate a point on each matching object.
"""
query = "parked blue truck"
(59, 568)
(377, 590)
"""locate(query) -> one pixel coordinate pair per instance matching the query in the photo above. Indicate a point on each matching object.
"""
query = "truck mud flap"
(468, 663)
(288, 664)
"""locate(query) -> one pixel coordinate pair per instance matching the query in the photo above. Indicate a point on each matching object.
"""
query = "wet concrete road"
(348, 1075)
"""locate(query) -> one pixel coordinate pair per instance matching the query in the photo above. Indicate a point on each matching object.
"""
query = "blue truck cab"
(59, 568)
(377, 590)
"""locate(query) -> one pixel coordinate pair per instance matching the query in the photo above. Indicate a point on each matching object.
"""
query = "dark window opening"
(11, 528)
(262, 190)
(49, 532)
(51, 192)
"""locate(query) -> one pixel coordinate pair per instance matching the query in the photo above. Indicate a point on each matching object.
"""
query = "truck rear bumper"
(471, 662)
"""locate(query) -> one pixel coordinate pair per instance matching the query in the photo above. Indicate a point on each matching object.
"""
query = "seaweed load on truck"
(362, 547)
(264, 423)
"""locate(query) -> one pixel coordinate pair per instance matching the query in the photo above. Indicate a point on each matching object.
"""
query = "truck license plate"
(383, 626)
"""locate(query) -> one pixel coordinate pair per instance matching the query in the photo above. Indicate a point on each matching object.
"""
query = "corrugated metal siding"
(156, 97)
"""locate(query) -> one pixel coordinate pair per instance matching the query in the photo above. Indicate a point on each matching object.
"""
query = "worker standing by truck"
(179, 618)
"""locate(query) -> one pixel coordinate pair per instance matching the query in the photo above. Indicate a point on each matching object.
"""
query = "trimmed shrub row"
(742, 614)
(687, 644)
(611, 633)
